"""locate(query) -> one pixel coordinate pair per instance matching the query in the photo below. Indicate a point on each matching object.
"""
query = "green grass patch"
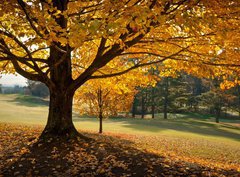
(30, 101)
(27, 109)
(190, 135)
(16, 109)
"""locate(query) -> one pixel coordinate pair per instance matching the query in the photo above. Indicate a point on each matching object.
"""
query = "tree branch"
(34, 66)
(19, 70)
(137, 66)
(30, 20)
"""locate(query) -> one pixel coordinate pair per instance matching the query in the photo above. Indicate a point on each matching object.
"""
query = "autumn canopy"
(66, 43)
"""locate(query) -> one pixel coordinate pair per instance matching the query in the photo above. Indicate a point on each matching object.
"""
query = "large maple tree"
(49, 40)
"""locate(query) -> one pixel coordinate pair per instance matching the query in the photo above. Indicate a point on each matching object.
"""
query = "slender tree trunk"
(218, 111)
(217, 119)
(100, 122)
(197, 90)
(100, 106)
(153, 111)
(165, 105)
(134, 107)
(226, 113)
(153, 103)
(238, 89)
(143, 107)
(60, 115)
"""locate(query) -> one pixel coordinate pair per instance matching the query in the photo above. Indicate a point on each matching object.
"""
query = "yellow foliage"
(198, 37)
(117, 93)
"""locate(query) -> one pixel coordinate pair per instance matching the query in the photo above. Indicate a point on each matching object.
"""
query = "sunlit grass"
(183, 136)
(23, 109)
(12, 110)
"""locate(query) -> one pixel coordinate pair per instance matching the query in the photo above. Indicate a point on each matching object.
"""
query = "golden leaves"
(209, 31)
(120, 89)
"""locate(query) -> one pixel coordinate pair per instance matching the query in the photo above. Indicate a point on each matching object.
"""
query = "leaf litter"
(104, 155)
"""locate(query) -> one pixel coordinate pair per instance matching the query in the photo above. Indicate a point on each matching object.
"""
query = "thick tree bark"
(60, 116)
(60, 108)
(61, 97)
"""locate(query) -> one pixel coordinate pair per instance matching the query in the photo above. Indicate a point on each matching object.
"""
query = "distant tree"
(173, 94)
(214, 101)
(234, 100)
(17, 89)
(0, 88)
(144, 102)
(238, 99)
(144, 99)
(153, 102)
(38, 89)
(165, 96)
(134, 107)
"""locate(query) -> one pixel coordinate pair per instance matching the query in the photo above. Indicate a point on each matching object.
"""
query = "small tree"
(108, 97)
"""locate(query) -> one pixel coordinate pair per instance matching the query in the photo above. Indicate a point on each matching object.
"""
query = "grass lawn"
(22, 109)
(188, 137)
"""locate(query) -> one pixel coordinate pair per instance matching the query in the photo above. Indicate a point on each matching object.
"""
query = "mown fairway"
(186, 137)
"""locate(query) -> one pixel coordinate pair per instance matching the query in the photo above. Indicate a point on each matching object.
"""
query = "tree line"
(187, 94)
(33, 88)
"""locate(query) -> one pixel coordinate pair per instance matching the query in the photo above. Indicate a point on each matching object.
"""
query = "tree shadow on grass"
(30, 101)
(102, 156)
(182, 125)
(197, 127)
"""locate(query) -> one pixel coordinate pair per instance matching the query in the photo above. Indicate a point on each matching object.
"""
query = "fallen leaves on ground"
(213, 154)
(23, 155)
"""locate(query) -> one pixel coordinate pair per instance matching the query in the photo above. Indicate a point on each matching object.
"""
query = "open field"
(186, 137)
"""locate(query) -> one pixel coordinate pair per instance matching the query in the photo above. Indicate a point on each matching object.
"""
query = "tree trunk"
(143, 107)
(238, 89)
(197, 90)
(100, 122)
(134, 108)
(100, 106)
(153, 103)
(226, 113)
(153, 111)
(60, 115)
(166, 94)
(218, 112)
(217, 119)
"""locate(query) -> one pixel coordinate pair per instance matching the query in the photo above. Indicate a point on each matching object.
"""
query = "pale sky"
(10, 80)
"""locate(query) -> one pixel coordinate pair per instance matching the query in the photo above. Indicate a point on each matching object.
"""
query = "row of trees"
(37, 89)
(16, 89)
(150, 94)
(187, 94)
(33, 88)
